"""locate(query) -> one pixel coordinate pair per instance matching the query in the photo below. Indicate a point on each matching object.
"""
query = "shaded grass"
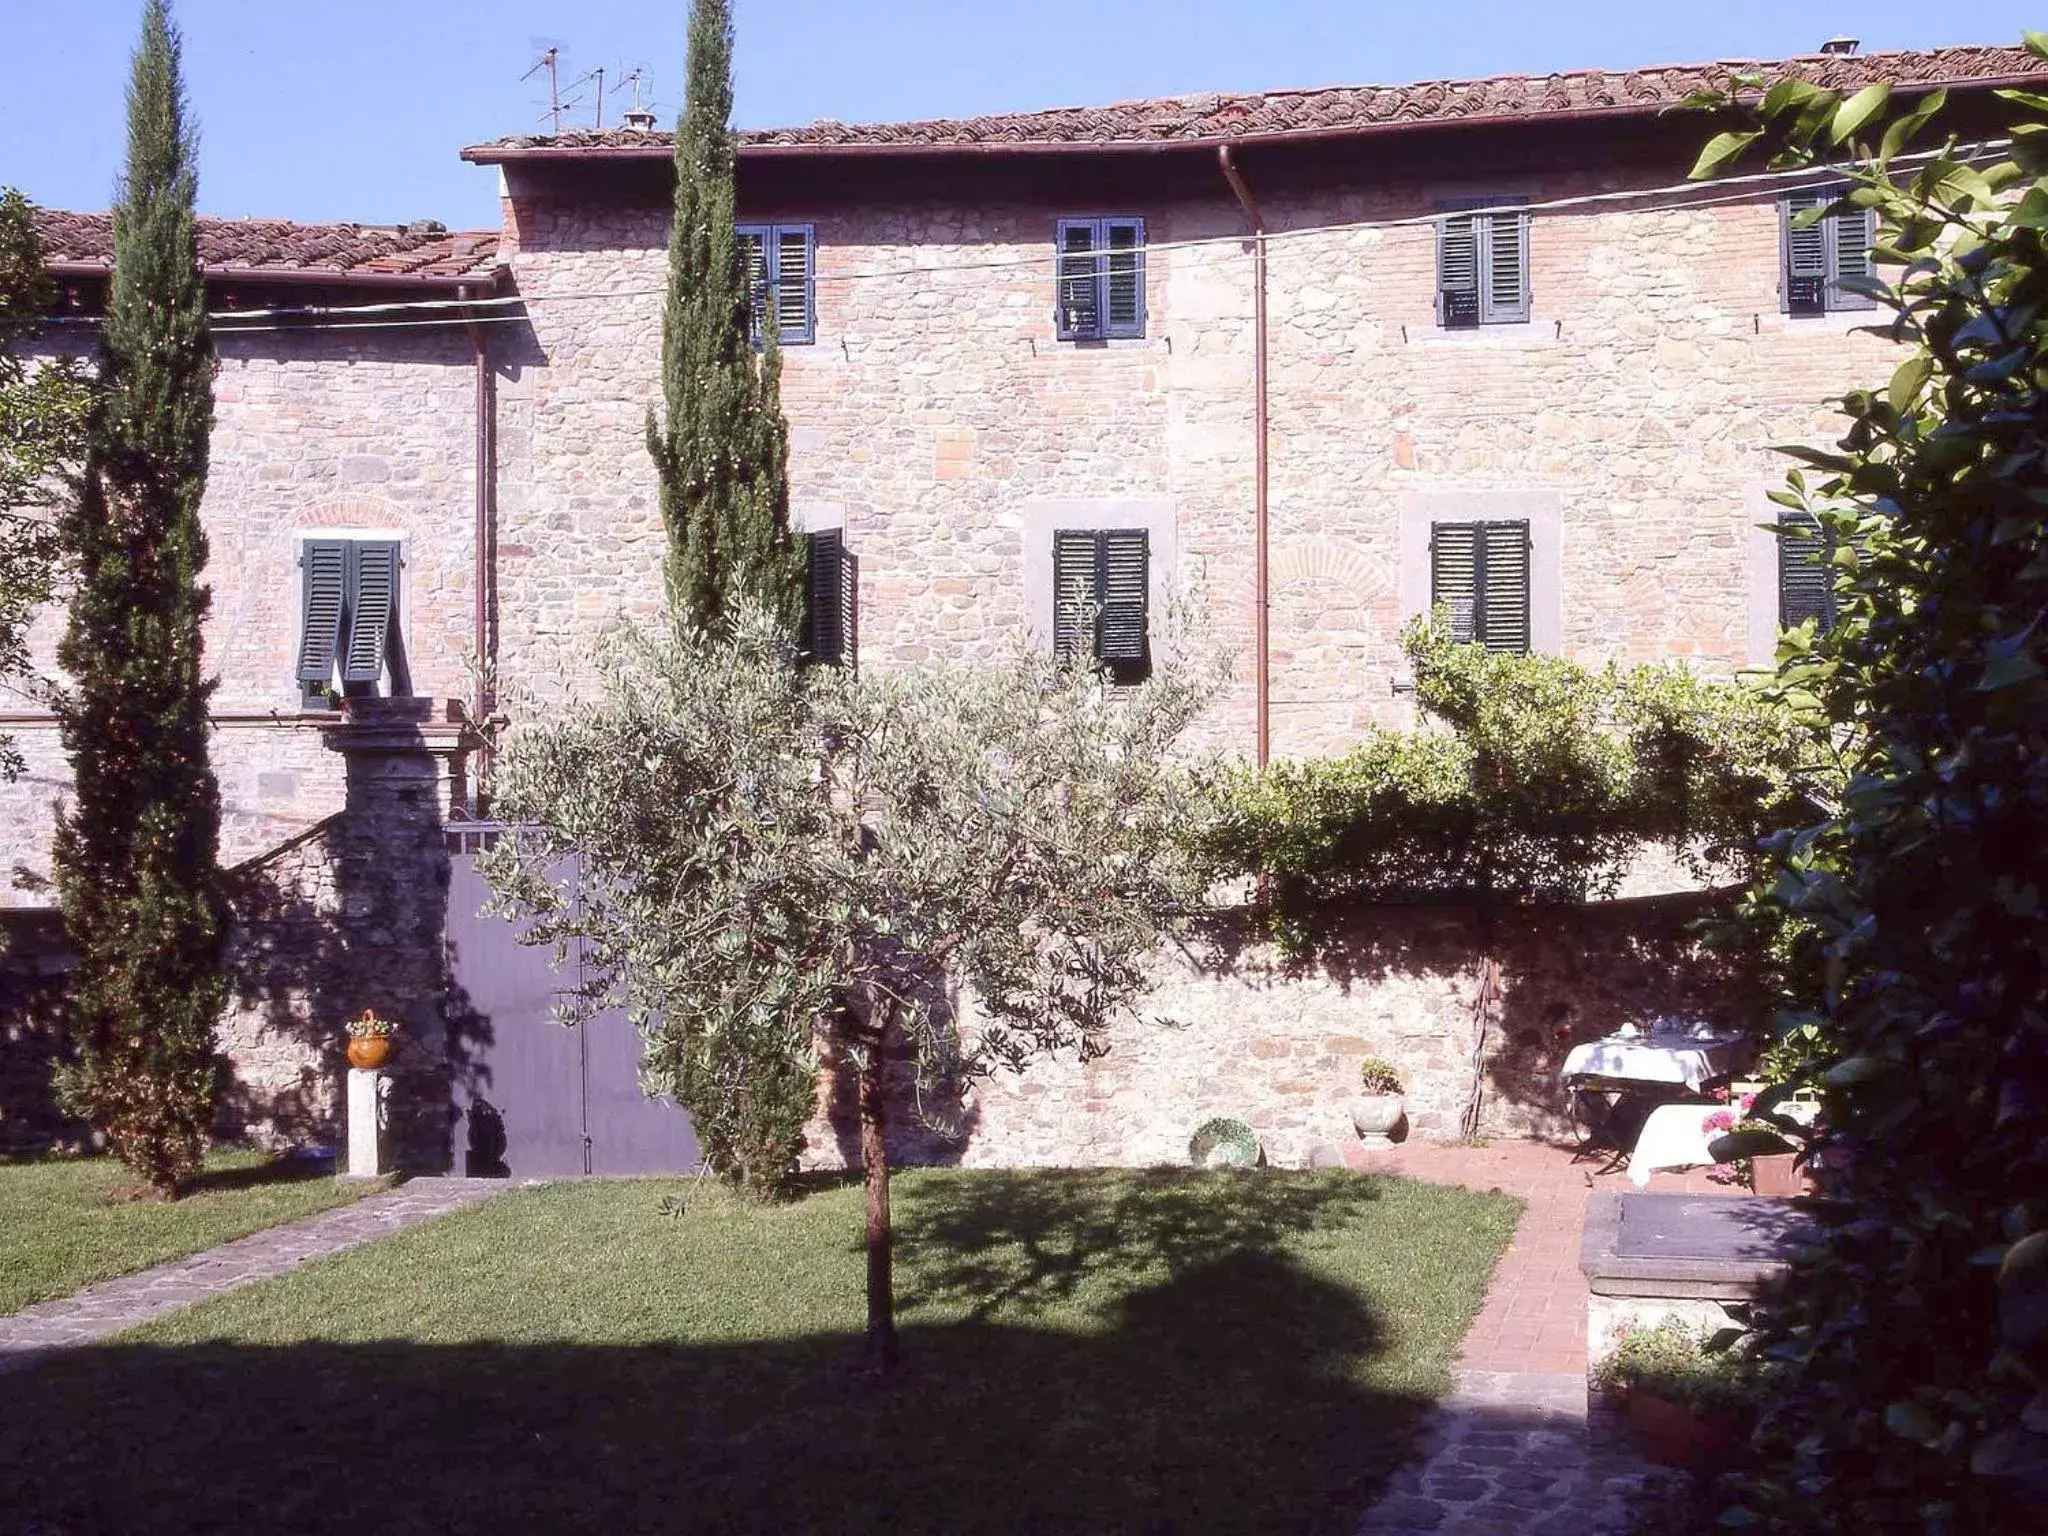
(59, 1233)
(1083, 1352)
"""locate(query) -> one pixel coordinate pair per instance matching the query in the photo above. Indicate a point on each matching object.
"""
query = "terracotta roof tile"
(1336, 109)
(277, 248)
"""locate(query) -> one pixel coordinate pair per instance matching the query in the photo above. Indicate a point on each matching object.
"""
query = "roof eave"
(492, 154)
(310, 277)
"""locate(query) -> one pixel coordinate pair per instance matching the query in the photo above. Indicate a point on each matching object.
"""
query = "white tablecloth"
(1659, 1058)
(1675, 1136)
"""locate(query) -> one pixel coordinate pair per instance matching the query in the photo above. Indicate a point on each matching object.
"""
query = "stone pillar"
(391, 877)
(369, 1096)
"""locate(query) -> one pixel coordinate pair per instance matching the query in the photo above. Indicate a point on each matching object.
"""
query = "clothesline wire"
(229, 320)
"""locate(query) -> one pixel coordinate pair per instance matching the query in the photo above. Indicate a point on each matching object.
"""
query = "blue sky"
(354, 109)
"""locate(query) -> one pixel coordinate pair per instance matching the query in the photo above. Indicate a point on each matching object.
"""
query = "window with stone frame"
(1102, 600)
(350, 643)
(1480, 572)
(1482, 264)
(781, 268)
(1099, 285)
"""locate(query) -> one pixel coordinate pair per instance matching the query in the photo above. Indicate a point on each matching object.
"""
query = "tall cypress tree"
(136, 852)
(721, 447)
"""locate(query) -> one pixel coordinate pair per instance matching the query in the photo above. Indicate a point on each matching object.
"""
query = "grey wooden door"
(534, 1099)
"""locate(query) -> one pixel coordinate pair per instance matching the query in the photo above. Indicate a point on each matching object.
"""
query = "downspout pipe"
(1261, 599)
(482, 702)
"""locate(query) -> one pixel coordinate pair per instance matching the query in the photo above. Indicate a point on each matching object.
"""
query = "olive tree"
(959, 867)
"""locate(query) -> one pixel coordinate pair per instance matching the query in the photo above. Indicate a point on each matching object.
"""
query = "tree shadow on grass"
(277, 1170)
(1034, 1237)
(1223, 1399)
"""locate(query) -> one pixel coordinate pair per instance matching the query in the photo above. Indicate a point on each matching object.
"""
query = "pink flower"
(1748, 1102)
(1719, 1120)
(1720, 1095)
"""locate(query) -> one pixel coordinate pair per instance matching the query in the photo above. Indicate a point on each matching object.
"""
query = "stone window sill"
(1540, 331)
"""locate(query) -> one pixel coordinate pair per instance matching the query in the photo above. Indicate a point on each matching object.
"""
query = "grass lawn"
(1082, 1352)
(58, 1233)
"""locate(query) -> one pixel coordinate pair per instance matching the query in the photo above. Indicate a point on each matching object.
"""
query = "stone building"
(1297, 362)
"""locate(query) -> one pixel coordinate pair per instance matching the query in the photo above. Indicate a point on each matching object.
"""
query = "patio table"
(1676, 1136)
(1662, 1056)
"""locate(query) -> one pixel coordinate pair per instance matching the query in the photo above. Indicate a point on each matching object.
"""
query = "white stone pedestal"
(366, 1119)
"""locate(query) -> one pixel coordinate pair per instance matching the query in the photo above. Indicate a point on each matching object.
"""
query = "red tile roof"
(278, 250)
(1330, 111)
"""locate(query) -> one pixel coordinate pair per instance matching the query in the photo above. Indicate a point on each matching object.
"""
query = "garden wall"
(1237, 1027)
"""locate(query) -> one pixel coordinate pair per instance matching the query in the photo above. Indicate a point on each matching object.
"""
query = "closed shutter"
(795, 284)
(1079, 315)
(1124, 582)
(827, 627)
(373, 611)
(1850, 233)
(1806, 582)
(1457, 272)
(1504, 586)
(1124, 299)
(1504, 295)
(1075, 598)
(323, 578)
(1806, 256)
(753, 244)
(1454, 555)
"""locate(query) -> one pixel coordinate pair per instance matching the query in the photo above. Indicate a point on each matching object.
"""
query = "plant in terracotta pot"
(1377, 1109)
(1689, 1399)
(369, 1040)
(1769, 1134)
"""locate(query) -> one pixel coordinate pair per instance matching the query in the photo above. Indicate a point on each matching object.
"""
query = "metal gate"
(533, 1099)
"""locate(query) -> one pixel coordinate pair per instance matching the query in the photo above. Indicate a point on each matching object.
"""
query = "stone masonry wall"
(939, 419)
(1235, 1027)
(370, 434)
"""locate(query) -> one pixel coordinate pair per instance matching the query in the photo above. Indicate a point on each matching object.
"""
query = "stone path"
(131, 1300)
(1510, 1453)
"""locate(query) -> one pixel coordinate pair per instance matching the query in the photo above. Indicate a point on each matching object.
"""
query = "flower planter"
(1374, 1117)
(369, 1052)
(1673, 1435)
(1779, 1173)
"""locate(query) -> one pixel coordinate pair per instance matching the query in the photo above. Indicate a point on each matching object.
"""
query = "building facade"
(1267, 374)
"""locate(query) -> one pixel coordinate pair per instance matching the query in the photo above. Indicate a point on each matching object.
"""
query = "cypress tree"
(721, 448)
(136, 851)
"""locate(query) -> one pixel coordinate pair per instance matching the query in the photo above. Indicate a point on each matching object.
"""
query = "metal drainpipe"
(480, 579)
(1261, 604)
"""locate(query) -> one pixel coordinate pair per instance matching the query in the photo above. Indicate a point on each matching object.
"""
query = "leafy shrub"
(1911, 920)
(1682, 1366)
(1379, 1076)
(1536, 777)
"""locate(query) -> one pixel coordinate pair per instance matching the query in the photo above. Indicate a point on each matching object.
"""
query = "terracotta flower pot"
(1779, 1173)
(1673, 1435)
(369, 1052)
(1375, 1115)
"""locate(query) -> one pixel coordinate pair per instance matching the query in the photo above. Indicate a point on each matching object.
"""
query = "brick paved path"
(1509, 1453)
(139, 1298)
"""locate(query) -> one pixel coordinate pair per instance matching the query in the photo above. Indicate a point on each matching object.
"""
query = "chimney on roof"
(640, 120)
(1841, 45)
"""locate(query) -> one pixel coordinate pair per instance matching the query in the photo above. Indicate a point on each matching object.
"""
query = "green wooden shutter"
(323, 580)
(1075, 597)
(1079, 300)
(1806, 256)
(1806, 582)
(795, 286)
(1504, 291)
(1125, 584)
(372, 611)
(753, 245)
(825, 598)
(1503, 605)
(1850, 232)
(1124, 296)
(1457, 272)
(1454, 556)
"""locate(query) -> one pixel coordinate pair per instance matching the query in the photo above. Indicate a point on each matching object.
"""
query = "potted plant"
(1225, 1143)
(1377, 1110)
(369, 1040)
(1767, 1133)
(1688, 1401)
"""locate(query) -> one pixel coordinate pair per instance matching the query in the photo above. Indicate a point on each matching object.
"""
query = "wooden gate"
(535, 1099)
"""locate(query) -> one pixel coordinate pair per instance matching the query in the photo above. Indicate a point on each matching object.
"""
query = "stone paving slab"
(131, 1300)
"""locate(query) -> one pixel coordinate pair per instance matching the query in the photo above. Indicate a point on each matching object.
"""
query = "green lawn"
(59, 1233)
(1082, 1352)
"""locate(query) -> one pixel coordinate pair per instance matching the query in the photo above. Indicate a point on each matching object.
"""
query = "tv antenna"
(550, 60)
(596, 74)
(642, 115)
